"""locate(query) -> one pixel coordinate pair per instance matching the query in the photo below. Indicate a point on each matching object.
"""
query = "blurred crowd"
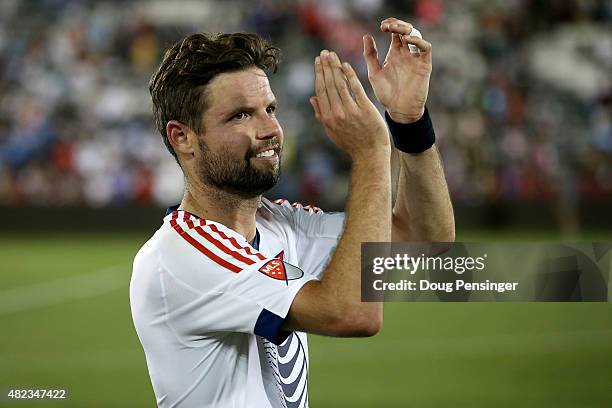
(520, 95)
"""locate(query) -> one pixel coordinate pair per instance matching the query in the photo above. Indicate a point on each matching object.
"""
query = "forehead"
(248, 87)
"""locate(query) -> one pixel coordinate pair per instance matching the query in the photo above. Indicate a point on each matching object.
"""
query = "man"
(224, 292)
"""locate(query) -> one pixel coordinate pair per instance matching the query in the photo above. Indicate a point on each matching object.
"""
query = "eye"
(240, 116)
(271, 109)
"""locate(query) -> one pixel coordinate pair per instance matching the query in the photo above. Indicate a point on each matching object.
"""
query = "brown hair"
(178, 87)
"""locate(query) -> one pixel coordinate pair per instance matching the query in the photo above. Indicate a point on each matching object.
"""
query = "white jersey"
(209, 307)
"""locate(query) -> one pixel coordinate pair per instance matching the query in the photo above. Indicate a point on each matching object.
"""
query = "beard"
(236, 175)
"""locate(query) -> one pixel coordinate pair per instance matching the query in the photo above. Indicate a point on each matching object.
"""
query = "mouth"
(270, 154)
(266, 153)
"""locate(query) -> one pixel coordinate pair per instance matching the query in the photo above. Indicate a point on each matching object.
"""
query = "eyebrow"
(246, 108)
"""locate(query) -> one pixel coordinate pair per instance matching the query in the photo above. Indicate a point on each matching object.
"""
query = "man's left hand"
(401, 83)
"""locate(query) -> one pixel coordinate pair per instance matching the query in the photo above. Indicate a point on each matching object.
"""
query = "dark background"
(520, 97)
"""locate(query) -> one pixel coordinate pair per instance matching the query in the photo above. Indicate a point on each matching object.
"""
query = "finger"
(423, 46)
(386, 22)
(340, 80)
(370, 54)
(356, 88)
(320, 90)
(335, 103)
(395, 26)
(315, 106)
(396, 42)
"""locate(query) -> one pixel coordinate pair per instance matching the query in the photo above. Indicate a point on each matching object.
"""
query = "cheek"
(229, 144)
(237, 143)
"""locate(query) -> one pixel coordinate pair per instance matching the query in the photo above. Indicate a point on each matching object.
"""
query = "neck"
(231, 210)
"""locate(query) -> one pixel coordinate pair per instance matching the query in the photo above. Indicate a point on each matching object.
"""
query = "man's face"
(241, 145)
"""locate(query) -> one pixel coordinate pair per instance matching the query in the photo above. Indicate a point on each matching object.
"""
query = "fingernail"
(317, 60)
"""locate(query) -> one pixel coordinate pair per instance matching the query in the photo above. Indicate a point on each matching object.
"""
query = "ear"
(181, 137)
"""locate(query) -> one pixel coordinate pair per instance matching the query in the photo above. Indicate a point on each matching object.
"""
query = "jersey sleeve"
(317, 234)
(225, 286)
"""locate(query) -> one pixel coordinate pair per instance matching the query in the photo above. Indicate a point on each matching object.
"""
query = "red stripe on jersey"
(296, 204)
(312, 207)
(196, 244)
(187, 219)
(235, 243)
(222, 247)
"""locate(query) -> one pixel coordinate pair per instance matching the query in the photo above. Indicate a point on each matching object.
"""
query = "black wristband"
(415, 137)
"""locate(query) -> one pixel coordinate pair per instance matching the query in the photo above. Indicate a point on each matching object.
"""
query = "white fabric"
(197, 293)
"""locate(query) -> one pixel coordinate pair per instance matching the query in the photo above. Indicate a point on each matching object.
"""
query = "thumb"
(370, 54)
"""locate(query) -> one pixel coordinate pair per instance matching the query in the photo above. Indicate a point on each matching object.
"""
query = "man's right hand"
(341, 105)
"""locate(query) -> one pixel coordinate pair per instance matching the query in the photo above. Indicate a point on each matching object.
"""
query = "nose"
(270, 128)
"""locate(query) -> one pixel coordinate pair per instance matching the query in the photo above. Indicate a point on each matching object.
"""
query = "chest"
(277, 243)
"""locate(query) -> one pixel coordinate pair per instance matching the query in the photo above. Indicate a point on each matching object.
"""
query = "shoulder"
(147, 257)
(196, 253)
(307, 219)
(297, 206)
(205, 248)
(145, 279)
(284, 210)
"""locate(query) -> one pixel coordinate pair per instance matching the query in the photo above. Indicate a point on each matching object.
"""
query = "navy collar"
(171, 209)
(255, 243)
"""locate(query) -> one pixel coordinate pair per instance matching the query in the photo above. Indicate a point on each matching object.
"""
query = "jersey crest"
(279, 270)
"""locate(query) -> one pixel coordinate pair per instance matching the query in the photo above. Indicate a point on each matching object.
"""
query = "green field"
(65, 323)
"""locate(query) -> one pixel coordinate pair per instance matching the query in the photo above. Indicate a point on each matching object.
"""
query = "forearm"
(333, 305)
(422, 210)
(368, 218)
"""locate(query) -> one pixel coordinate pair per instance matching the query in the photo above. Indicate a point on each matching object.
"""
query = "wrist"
(403, 118)
(413, 138)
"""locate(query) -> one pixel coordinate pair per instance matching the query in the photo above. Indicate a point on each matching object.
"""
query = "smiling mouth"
(266, 153)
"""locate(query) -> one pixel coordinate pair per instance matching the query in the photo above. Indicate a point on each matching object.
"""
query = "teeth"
(267, 153)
